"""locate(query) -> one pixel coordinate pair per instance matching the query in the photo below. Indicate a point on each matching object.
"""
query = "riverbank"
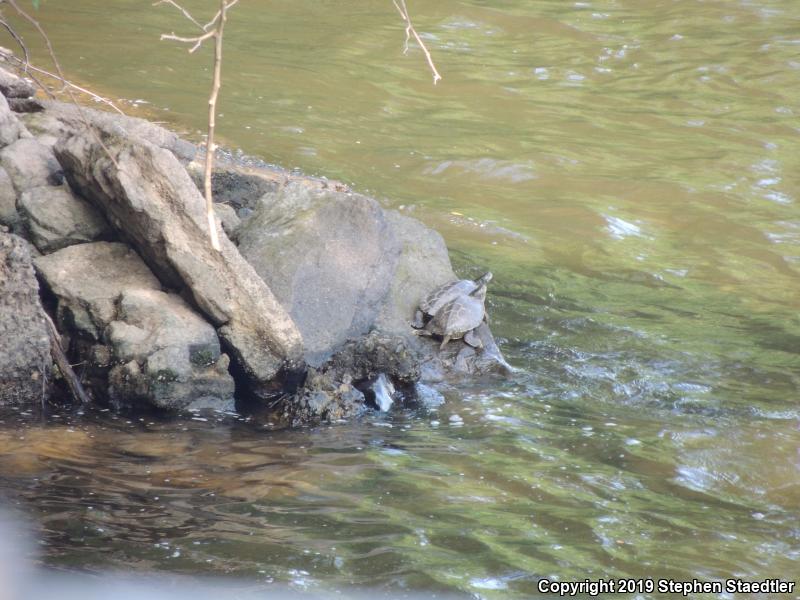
(306, 309)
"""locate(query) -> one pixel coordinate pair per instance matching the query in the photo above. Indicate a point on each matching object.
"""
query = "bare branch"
(227, 6)
(401, 7)
(197, 40)
(26, 64)
(213, 29)
(212, 113)
(185, 12)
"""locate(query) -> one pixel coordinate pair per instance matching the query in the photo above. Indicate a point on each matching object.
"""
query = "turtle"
(459, 318)
(445, 293)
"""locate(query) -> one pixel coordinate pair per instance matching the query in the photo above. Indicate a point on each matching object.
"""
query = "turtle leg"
(418, 322)
(444, 342)
(473, 339)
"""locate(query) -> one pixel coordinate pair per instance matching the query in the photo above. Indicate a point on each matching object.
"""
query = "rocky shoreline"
(306, 309)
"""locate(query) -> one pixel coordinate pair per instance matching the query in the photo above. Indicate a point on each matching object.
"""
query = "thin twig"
(82, 90)
(185, 12)
(197, 40)
(17, 39)
(401, 7)
(26, 64)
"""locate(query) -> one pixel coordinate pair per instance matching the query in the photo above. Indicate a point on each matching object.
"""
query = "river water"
(627, 169)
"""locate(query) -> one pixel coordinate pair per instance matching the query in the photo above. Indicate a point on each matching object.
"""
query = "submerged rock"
(147, 196)
(25, 363)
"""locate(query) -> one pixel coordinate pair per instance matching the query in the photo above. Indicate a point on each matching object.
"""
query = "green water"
(629, 172)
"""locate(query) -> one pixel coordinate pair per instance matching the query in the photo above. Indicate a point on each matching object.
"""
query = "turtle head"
(484, 279)
(480, 291)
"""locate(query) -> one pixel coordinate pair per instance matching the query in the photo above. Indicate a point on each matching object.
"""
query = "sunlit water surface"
(629, 171)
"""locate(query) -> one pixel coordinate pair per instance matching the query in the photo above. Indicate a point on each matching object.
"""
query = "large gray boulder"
(352, 274)
(152, 347)
(148, 197)
(25, 363)
(342, 265)
(56, 218)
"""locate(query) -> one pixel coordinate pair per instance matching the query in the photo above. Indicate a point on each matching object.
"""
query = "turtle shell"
(445, 293)
(460, 315)
(448, 292)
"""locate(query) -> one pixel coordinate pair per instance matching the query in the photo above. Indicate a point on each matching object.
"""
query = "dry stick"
(60, 359)
(212, 112)
(401, 7)
(218, 23)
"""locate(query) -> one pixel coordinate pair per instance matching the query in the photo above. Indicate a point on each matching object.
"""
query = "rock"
(56, 218)
(10, 127)
(342, 265)
(150, 345)
(379, 393)
(229, 219)
(13, 86)
(428, 396)
(234, 186)
(8, 201)
(321, 399)
(88, 279)
(241, 181)
(25, 363)
(30, 164)
(148, 197)
(468, 361)
(61, 120)
(25, 105)
(171, 357)
(368, 356)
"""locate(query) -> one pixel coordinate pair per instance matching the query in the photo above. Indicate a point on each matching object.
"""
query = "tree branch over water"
(401, 7)
(212, 30)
